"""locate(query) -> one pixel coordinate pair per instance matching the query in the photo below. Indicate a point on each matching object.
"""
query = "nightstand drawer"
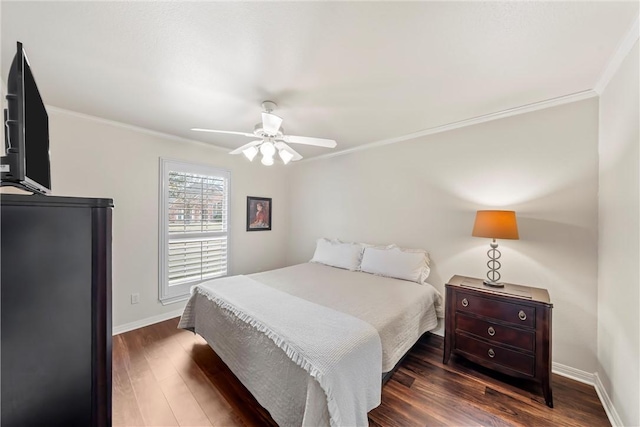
(496, 355)
(500, 334)
(517, 314)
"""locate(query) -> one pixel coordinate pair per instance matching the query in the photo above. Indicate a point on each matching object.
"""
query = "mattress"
(401, 311)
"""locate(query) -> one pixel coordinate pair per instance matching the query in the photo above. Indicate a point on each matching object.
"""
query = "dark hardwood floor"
(163, 376)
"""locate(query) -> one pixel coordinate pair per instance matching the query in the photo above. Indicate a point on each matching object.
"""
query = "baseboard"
(439, 330)
(607, 404)
(146, 322)
(593, 380)
(573, 373)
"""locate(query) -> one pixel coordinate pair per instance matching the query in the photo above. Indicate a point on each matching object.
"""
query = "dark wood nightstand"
(506, 329)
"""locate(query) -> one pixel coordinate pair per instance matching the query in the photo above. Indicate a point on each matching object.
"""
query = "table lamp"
(495, 225)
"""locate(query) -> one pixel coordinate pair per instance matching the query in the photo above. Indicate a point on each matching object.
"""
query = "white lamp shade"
(250, 153)
(271, 123)
(285, 156)
(267, 149)
(267, 160)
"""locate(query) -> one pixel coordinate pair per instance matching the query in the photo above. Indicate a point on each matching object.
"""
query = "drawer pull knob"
(465, 302)
(522, 315)
(491, 353)
(491, 331)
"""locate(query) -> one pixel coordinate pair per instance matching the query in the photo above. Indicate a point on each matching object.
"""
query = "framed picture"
(258, 213)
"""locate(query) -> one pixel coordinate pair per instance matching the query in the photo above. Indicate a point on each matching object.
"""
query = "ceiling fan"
(272, 139)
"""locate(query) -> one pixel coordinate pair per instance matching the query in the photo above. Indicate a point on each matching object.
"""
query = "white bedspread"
(338, 351)
(401, 311)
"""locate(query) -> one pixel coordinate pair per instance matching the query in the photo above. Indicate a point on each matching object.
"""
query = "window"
(194, 212)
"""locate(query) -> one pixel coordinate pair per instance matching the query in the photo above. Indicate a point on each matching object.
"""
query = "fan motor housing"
(259, 132)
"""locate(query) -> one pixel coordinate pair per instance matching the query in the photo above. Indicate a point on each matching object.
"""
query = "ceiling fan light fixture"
(268, 149)
(272, 139)
(271, 123)
(250, 153)
(285, 156)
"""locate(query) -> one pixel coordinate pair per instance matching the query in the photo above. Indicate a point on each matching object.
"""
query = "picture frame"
(259, 215)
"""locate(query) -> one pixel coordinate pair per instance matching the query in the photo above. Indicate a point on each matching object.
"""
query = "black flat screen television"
(26, 163)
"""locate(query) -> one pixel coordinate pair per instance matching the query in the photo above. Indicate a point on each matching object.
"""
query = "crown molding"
(553, 102)
(132, 127)
(618, 56)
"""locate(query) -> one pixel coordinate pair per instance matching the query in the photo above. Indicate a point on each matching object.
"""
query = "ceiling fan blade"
(271, 123)
(245, 146)
(318, 142)
(230, 132)
(282, 146)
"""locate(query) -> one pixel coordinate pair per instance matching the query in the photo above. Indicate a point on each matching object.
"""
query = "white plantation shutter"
(194, 260)
(194, 227)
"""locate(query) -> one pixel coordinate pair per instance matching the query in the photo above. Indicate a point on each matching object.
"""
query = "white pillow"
(338, 254)
(399, 263)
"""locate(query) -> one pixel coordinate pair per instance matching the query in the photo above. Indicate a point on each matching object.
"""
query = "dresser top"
(41, 200)
(510, 290)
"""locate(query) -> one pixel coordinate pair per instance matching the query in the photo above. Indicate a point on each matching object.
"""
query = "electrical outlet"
(135, 298)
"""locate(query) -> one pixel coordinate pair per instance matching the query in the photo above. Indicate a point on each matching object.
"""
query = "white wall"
(619, 241)
(424, 193)
(91, 158)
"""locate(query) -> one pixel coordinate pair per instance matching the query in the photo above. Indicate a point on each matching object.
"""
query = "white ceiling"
(355, 72)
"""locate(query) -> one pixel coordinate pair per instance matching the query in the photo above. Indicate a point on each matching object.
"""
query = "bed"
(397, 311)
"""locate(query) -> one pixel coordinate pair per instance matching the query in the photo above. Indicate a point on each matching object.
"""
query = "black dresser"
(55, 294)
